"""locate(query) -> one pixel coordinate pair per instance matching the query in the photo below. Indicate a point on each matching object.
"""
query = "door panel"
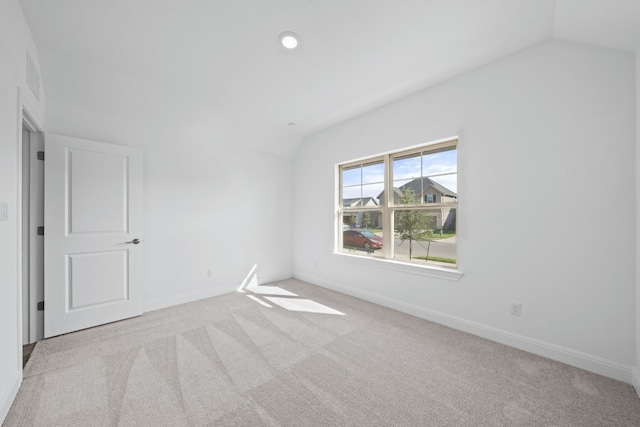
(93, 212)
(97, 278)
(103, 173)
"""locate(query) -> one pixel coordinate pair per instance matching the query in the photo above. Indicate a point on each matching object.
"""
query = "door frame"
(32, 216)
(27, 116)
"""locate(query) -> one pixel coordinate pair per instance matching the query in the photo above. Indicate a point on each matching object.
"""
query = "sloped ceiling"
(213, 70)
(614, 24)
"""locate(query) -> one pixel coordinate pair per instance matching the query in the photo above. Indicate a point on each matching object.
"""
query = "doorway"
(32, 231)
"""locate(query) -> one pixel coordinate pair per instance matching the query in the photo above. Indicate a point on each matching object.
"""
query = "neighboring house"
(354, 219)
(432, 192)
(444, 218)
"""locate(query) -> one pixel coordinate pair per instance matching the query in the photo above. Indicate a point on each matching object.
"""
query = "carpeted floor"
(325, 360)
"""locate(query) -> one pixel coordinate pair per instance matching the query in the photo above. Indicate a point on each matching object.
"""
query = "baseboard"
(636, 380)
(571, 357)
(170, 301)
(8, 399)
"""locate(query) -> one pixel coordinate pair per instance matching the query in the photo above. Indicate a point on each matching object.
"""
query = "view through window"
(412, 192)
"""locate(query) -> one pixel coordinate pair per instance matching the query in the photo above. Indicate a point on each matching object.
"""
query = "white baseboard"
(170, 301)
(9, 397)
(636, 380)
(571, 357)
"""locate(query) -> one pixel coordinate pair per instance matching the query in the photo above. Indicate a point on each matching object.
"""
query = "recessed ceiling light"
(289, 39)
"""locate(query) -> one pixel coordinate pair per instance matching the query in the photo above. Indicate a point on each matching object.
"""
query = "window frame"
(388, 207)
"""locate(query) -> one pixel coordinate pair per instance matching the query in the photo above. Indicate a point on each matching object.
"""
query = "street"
(445, 248)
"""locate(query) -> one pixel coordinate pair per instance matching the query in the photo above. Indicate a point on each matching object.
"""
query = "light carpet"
(293, 354)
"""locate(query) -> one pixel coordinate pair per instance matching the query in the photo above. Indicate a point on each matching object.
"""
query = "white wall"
(546, 160)
(207, 204)
(15, 41)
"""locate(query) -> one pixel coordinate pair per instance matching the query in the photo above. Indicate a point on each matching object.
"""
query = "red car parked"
(361, 239)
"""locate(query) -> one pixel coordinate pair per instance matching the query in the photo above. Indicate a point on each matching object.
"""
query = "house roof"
(418, 187)
(358, 201)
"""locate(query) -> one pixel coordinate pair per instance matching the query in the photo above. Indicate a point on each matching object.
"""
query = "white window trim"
(403, 267)
(387, 210)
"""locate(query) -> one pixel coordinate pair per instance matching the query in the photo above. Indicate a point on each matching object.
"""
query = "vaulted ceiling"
(214, 69)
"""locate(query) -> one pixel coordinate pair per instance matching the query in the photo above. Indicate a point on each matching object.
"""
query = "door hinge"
(40, 155)
(41, 306)
(40, 231)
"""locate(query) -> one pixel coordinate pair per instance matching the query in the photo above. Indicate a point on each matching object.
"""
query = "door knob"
(134, 241)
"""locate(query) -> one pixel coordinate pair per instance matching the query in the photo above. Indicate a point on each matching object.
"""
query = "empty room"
(319, 212)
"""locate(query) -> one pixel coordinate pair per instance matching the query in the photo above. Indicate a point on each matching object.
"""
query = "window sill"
(428, 271)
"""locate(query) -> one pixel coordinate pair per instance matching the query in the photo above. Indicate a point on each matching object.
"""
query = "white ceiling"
(213, 69)
(608, 23)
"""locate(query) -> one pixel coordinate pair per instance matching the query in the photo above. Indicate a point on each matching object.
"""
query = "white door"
(93, 233)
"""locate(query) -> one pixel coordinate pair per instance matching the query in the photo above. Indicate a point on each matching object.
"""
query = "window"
(401, 206)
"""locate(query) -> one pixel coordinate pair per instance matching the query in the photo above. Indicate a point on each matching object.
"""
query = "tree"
(366, 220)
(412, 225)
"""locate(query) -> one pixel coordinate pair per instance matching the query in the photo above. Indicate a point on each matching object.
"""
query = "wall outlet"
(210, 273)
(4, 211)
(516, 309)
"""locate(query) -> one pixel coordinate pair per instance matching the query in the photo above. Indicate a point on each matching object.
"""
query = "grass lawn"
(437, 259)
(436, 234)
(445, 234)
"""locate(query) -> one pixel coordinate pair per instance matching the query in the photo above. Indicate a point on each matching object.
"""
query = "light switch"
(4, 211)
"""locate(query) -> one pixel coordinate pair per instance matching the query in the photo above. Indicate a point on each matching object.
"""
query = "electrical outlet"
(210, 273)
(516, 309)
(4, 211)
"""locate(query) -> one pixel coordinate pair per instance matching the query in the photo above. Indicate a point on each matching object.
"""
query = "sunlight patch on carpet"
(306, 305)
(259, 301)
(271, 290)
